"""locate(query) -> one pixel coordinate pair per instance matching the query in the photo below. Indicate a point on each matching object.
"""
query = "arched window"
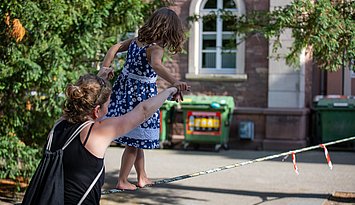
(213, 49)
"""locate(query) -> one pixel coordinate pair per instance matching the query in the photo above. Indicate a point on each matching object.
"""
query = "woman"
(83, 114)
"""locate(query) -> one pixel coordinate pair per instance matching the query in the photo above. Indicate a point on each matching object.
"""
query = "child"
(137, 82)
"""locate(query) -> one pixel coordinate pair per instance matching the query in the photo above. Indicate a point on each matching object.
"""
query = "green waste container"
(335, 118)
(207, 120)
(166, 118)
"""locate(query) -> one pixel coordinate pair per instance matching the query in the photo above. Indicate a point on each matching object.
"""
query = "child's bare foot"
(125, 186)
(144, 182)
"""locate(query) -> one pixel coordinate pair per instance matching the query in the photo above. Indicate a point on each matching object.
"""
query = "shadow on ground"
(167, 194)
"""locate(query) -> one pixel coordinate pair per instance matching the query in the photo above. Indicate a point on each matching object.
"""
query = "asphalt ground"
(272, 182)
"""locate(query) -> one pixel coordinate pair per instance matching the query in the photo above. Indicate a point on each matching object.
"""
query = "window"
(213, 49)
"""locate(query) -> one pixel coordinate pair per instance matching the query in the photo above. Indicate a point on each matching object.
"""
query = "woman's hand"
(182, 86)
(173, 90)
(176, 95)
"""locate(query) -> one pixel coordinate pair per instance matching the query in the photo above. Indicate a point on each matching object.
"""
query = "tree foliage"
(44, 45)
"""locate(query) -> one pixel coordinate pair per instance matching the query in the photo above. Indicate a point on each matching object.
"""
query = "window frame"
(195, 70)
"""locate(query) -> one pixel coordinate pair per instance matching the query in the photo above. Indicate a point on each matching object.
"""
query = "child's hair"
(164, 27)
(83, 96)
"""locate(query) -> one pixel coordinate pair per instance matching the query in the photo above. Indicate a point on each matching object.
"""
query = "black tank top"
(80, 166)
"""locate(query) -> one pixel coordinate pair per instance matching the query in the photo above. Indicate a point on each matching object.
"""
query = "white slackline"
(177, 178)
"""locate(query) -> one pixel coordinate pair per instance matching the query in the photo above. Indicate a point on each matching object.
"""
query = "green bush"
(44, 45)
(16, 159)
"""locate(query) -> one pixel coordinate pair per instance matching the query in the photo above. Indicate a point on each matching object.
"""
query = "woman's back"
(80, 166)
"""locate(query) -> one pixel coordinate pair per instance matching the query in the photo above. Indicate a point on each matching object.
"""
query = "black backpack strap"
(92, 185)
(87, 136)
(76, 132)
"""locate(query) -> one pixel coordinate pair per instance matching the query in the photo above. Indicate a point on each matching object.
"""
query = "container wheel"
(217, 147)
(186, 145)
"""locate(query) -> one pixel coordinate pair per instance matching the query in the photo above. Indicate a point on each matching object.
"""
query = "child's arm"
(106, 71)
(155, 55)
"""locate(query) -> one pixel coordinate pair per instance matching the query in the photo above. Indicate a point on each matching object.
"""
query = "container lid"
(212, 101)
(336, 103)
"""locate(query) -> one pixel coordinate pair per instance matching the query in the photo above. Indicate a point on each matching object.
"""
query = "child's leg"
(128, 159)
(139, 166)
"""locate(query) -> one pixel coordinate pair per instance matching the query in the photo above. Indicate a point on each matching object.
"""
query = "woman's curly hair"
(164, 27)
(83, 96)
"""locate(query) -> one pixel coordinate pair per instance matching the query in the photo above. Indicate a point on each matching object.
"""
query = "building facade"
(274, 97)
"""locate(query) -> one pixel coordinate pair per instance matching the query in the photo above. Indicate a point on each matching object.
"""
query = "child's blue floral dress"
(136, 83)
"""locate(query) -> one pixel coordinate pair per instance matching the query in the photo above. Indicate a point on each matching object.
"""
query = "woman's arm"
(108, 129)
(106, 71)
(114, 127)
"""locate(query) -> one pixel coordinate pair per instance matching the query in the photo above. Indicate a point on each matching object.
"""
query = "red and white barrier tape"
(294, 163)
(327, 156)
